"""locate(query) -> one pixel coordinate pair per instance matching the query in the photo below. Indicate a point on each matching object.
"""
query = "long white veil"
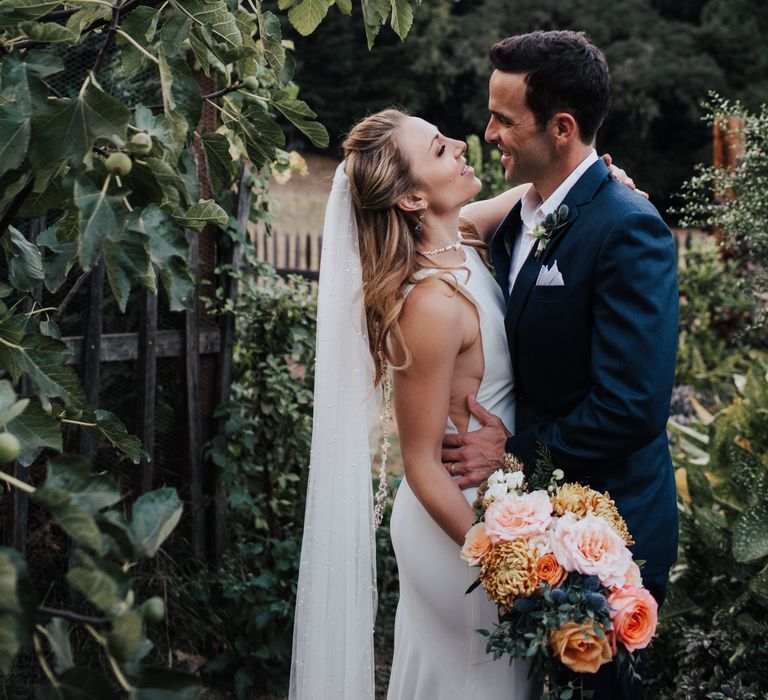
(336, 596)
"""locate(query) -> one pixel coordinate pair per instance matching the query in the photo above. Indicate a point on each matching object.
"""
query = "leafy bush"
(109, 545)
(240, 612)
(717, 616)
(717, 315)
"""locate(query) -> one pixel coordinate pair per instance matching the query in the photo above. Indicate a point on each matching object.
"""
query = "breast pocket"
(562, 292)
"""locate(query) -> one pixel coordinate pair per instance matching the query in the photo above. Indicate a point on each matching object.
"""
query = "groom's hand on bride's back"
(475, 455)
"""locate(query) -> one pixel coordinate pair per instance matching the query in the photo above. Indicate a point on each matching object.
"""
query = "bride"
(405, 300)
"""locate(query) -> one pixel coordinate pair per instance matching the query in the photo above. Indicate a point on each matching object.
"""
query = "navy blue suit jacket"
(594, 359)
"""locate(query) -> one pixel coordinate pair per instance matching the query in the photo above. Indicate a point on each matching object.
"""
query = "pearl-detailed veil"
(336, 596)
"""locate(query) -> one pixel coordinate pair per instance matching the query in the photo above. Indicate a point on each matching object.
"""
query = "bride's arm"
(434, 325)
(486, 215)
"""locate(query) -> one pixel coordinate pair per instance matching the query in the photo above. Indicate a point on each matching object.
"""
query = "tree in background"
(665, 56)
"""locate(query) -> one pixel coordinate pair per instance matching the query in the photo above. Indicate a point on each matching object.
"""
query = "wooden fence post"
(91, 361)
(146, 369)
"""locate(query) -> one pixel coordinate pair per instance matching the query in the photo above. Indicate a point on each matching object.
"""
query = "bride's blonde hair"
(379, 173)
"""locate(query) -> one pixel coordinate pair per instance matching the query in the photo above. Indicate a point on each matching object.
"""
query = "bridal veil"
(336, 595)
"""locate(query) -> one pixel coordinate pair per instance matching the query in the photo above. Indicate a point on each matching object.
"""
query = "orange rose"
(634, 614)
(476, 545)
(548, 569)
(581, 647)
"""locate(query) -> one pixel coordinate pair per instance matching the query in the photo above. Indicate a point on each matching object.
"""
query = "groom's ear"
(565, 128)
(412, 202)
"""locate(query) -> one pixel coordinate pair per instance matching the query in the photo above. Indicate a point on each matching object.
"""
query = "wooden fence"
(290, 253)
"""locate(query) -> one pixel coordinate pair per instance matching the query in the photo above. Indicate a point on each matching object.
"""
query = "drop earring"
(420, 226)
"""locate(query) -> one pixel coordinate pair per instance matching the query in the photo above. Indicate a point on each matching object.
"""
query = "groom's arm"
(634, 342)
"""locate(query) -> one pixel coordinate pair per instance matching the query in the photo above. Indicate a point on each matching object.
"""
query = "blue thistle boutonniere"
(544, 231)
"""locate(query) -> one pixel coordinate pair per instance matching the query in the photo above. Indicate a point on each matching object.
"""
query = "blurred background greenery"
(665, 56)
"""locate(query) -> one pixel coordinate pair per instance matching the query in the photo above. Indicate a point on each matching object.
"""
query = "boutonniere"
(544, 231)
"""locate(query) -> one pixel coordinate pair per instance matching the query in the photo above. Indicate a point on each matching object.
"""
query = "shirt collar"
(533, 210)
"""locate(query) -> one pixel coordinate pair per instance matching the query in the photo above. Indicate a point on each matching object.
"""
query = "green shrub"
(712, 638)
(239, 614)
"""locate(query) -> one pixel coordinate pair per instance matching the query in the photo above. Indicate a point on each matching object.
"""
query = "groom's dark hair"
(564, 72)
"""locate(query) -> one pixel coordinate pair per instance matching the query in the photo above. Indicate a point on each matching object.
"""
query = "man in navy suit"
(591, 306)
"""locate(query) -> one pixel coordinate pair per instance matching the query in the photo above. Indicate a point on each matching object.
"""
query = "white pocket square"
(550, 276)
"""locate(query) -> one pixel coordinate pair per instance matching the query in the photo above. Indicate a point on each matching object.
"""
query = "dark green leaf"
(155, 515)
(125, 638)
(18, 607)
(35, 430)
(69, 127)
(80, 683)
(61, 240)
(299, 114)
(750, 533)
(110, 428)
(218, 160)
(46, 32)
(58, 639)
(102, 216)
(402, 17)
(214, 15)
(202, 213)
(307, 15)
(14, 137)
(24, 261)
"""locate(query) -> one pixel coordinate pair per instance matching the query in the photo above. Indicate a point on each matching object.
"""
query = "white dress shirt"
(534, 211)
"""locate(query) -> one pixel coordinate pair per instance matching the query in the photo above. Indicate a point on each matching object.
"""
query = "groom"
(591, 315)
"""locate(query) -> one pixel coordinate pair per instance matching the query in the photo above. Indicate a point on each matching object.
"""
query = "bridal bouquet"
(555, 561)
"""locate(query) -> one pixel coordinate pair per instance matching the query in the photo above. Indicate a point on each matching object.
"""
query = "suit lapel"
(501, 247)
(579, 195)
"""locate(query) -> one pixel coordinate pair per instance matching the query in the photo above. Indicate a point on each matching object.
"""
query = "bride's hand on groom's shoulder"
(475, 455)
(620, 175)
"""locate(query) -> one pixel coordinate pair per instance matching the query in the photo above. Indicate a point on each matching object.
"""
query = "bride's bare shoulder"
(433, 319)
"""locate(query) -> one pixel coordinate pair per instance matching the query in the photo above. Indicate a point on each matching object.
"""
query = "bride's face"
(438, 166)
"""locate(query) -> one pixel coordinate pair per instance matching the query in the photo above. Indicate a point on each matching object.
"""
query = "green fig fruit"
(119, 163)
(140, 144)
(251, 83)
(153, 610)
(9, 447)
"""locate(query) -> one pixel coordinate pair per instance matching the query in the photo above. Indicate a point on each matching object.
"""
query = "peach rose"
(590, 546)
(549, 570)
(513, 516)
(476, 545)
(634, 614)
(581, 647)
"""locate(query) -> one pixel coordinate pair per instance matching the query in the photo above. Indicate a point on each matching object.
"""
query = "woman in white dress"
(402, 295)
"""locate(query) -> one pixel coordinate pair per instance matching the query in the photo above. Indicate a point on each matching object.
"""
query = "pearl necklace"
(437, 251)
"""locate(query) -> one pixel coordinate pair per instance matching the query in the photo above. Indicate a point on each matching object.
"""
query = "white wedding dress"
(438, 654)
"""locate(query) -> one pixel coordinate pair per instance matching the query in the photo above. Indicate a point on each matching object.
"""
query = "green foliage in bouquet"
(716, 618)
(109, 544)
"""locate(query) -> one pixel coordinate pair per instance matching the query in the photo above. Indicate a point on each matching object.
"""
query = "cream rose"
(590, 546)
(513, 516)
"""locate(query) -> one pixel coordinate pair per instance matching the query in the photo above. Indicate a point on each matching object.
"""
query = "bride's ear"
(412, 202)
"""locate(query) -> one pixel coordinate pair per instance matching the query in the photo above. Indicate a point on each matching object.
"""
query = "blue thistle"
(558, 596)
(591, 583)
(524, 605)
(596, 601)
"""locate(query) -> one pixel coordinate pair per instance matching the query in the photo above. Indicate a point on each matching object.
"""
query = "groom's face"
(526, 150)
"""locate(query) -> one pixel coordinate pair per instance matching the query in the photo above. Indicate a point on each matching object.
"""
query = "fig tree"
(153, 610)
